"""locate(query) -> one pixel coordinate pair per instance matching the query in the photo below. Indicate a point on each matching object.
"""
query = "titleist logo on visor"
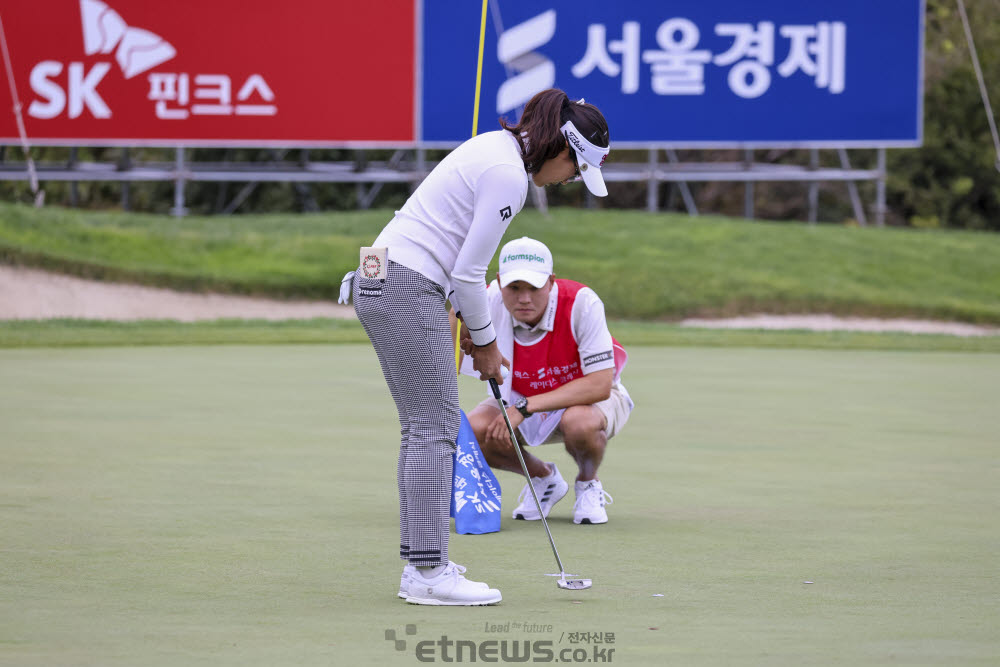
(581, 148)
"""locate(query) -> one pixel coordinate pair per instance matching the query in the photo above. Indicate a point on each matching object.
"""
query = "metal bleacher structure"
(410, 165)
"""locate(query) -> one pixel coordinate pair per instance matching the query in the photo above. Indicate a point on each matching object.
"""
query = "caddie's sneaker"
(590, 501)
(549, 490)
(408, 571)
(449, 588)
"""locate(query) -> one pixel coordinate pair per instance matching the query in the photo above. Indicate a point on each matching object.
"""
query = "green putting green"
(236, 505)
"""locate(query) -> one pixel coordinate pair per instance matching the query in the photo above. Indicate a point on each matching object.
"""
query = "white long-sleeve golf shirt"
(450, 227)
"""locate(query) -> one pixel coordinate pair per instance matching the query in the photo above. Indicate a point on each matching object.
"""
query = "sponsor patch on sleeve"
(599, 357)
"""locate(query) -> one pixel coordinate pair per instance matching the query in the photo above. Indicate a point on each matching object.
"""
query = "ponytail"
(539, 130)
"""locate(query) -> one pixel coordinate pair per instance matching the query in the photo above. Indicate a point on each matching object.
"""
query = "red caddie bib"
(555, 359)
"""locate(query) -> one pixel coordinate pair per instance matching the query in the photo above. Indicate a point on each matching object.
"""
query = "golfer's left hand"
(487, 360)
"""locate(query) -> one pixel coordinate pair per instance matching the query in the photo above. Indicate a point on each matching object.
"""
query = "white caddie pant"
(407, 322)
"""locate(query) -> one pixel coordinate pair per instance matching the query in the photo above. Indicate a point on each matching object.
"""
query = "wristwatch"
(522, 406)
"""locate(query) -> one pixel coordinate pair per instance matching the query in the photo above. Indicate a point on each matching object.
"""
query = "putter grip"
(496, 389)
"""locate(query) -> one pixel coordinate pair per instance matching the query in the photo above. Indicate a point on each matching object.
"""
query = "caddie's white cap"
(590, 158)
(525, 259)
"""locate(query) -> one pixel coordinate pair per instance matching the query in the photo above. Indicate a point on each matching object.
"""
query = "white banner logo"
(138, 50)
(515, 49)
(177, 95)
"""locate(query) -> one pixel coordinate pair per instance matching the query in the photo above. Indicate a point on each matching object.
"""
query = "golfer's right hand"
(487, 360)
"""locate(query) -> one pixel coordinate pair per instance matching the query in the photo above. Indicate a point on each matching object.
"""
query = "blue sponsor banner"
(696, 73)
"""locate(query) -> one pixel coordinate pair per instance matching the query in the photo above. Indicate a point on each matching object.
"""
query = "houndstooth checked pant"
(406, 320)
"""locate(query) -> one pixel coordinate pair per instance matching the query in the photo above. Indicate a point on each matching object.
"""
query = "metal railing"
(410, 166)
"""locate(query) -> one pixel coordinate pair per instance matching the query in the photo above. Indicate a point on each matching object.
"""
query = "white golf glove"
(345, 288)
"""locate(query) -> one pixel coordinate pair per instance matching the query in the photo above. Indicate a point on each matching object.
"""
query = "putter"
(574, 584)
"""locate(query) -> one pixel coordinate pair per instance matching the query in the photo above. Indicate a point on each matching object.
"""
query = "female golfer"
(436, 249)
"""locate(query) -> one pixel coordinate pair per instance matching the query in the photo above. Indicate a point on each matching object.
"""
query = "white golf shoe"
(549, 490)
(449, 588)
(404, 581)
(590, 501)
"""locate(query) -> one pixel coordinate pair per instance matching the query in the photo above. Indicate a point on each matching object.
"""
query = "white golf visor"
(590, 158)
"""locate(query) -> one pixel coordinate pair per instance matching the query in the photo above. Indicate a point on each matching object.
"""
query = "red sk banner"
(215, 73)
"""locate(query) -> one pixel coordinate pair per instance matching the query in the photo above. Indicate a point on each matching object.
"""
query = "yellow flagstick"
(479, 70)
(475, 126)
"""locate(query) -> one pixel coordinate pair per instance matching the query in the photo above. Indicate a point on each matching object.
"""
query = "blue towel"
(475, 498)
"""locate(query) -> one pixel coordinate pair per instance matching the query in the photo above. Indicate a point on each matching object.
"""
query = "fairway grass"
(645, 266)
(236, 505)
(85, 333)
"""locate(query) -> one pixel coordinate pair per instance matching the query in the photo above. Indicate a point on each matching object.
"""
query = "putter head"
(574, 584)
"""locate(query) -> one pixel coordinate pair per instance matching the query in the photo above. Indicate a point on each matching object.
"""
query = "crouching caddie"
(565, 382)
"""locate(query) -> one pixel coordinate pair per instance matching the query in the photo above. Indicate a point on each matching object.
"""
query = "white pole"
(32, 174)
(979, 78)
